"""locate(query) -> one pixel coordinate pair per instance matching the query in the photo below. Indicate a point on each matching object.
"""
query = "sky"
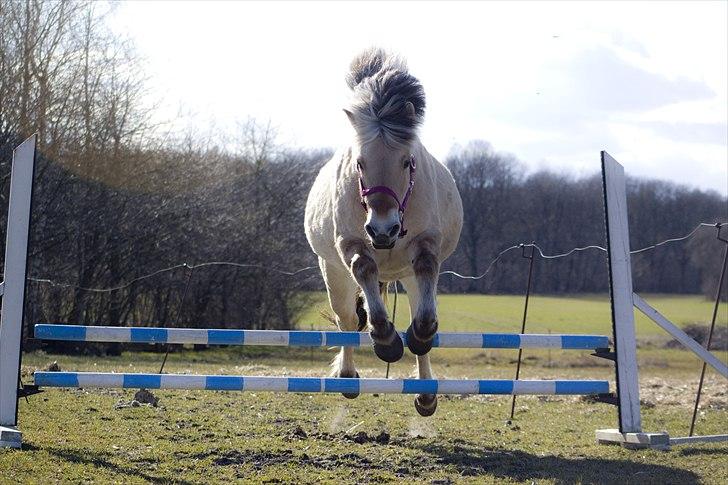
(551, 83)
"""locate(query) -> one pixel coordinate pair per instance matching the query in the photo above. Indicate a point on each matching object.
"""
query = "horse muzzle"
(381, 245)
(383, 238)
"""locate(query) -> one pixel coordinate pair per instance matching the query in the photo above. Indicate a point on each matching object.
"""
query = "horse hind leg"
(342, 293)
(425, 404)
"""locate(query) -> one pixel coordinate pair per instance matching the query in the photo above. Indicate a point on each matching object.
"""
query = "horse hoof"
(392, 352)
(350, 395)
(426, 404)
(416, 346)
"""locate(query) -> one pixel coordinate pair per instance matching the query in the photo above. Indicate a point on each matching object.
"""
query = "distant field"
(198, 437)
(557, 314)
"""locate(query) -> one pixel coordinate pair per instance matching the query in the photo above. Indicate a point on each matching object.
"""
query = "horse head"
(386, 109)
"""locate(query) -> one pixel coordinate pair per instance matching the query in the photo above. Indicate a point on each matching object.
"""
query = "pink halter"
(364, 191)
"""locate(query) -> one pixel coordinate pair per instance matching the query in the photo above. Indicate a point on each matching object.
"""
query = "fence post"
(11, 315)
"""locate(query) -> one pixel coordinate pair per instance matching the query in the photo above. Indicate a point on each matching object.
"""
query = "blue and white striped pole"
(294, 338)
(317, 384)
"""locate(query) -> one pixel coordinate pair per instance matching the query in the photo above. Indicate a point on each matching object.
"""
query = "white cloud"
(552, 83)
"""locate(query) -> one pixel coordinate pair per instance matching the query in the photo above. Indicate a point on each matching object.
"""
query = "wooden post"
(11, 316)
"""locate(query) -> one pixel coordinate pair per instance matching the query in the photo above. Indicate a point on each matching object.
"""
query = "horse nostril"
(370, 231)
(394, 231)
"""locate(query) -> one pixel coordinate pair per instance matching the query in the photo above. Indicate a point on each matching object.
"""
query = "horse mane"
(382, 86)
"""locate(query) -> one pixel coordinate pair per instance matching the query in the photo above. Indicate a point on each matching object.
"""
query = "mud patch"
(260, 460)
(678, 392)
(146, 397)
(360, 438)
(142, 397)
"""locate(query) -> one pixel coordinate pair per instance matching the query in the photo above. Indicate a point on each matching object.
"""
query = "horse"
(382, 210)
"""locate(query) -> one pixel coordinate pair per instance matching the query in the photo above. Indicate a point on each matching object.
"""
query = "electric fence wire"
(488, 269)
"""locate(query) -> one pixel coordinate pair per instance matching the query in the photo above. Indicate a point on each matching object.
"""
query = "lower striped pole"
(318, 384)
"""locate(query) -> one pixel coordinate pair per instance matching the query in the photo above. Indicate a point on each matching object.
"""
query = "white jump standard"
(623, 301)
(318, 384)
(12, 288)
(293, 338)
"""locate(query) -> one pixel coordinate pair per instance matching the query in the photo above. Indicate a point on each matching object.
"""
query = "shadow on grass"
(101, 460)
(471, 460)
(703, 451)
(462, 458)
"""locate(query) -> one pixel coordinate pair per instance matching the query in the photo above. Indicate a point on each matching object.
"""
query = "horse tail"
(369, 63)
(361, 313)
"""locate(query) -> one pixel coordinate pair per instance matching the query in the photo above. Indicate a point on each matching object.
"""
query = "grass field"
(503, 313)
(91, 435)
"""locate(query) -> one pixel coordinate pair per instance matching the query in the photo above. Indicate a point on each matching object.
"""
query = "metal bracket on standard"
(10, 437)
(605, 353)
(633, 441)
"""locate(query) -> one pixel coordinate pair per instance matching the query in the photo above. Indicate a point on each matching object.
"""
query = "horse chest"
(393, 264)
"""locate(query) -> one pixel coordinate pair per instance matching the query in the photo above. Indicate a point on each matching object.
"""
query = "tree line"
(504, 204)
(117, 198)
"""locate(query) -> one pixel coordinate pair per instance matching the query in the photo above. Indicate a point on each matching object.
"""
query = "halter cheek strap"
(383, 189)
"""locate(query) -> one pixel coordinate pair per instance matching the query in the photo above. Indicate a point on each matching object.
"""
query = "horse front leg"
(426, 266)
(387, 342)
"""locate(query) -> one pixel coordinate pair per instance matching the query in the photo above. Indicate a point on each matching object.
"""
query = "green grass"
(197, 437)
(556, 314)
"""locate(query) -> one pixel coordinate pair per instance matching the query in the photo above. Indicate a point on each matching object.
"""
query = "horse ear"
(350, 115)
(410, 109)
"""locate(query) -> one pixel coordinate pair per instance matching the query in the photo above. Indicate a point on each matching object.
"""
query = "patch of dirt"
(298, 433)
(146, 397)
(359, 438)
(261, 459)
(142, 397)
(717, 404)
(656, 391)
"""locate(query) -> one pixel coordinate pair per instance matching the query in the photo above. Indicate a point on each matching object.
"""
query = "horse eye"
(407, 163)
(359, 165)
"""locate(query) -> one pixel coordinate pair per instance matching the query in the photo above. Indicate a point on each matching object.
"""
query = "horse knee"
(425, 263)
(364, 268)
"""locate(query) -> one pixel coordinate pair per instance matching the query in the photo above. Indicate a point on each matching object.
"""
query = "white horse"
(383, 209)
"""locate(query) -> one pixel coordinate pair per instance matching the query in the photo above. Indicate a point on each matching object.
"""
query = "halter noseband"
(364, 191)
